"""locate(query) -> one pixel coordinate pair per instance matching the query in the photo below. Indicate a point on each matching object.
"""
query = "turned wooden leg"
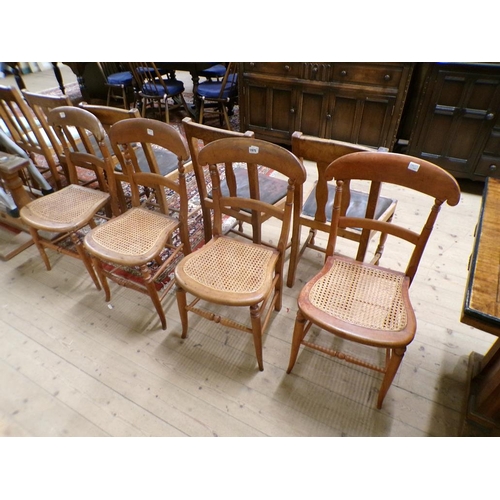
(395, 358)
(298, 335)
(183, 314)
(84, 257)
(41, 249)
(257, 333)
(102, 278)
(153, 294)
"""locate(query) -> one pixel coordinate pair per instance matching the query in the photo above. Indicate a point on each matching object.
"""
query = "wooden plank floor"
(73, 365)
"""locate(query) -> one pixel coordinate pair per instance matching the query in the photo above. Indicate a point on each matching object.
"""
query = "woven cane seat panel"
(68, 204)
(229, 265)
(135, 232)
(364, 296)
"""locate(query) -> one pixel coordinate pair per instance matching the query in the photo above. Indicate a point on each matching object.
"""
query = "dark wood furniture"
(353, 102)
(454, 118)
(482, 310)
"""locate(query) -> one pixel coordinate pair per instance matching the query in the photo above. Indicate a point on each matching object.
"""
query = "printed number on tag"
(253, 150)
(413, 166)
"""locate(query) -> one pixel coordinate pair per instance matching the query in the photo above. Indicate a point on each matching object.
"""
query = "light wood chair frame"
(108, 256)
(28, 134)
(323, 152)
(268, 295)
(63, 228)
(388, 168)
(199, 135)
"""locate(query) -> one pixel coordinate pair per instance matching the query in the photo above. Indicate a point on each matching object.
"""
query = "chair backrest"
(400, 170)
(108, 68)
(41, 105)
(124, 135)
(229, 84)
(253, 153)
(68, 121)
(323, 152)
(147, 78)
(198, 136)
(23, 128)
(109, 115)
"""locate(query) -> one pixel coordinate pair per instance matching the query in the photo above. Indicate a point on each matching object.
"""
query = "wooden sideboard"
(354, 102)
(455, 121)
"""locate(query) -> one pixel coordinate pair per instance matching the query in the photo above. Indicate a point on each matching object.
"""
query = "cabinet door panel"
(362, 120)
(457, 119)
(311, 113)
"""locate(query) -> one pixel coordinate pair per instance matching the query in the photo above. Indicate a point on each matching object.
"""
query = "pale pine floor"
(73, 365)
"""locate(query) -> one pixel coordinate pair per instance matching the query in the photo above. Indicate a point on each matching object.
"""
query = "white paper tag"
(413, 166)
(150, 132)
(253, 150)
(62, 114)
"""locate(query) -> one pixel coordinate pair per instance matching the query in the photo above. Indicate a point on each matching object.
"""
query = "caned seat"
(63, 213)
(146, 239)
(235, 272)
(315, 213)
(361, 302)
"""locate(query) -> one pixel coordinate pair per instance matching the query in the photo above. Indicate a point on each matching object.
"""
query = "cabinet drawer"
(367, 74)
(273, 68)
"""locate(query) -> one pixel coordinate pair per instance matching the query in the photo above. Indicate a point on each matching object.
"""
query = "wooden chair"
(41, 104)
(118, 81)
(358, 301)
(63, 213)
(141, 238)
(315, 213)
(148, 156)
(157, 91)
(271, 190)
(215, 97)
(232, 272)
(29, 135)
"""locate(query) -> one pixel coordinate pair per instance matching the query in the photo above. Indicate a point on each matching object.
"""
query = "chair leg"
(294, 256)
(202, 108)
(299, 332)
(180, 294)
(41, 249)
(85, 259)
(102, 278)
(395, 358)
(255, 315)
(153, 294)
(108, 98)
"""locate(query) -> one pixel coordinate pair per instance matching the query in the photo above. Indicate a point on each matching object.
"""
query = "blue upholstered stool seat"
(174, 87)
(211, 90)
(216, 71)
(122, 78)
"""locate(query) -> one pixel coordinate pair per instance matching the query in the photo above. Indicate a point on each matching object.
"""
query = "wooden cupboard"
(355, 102)
(457, 123)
